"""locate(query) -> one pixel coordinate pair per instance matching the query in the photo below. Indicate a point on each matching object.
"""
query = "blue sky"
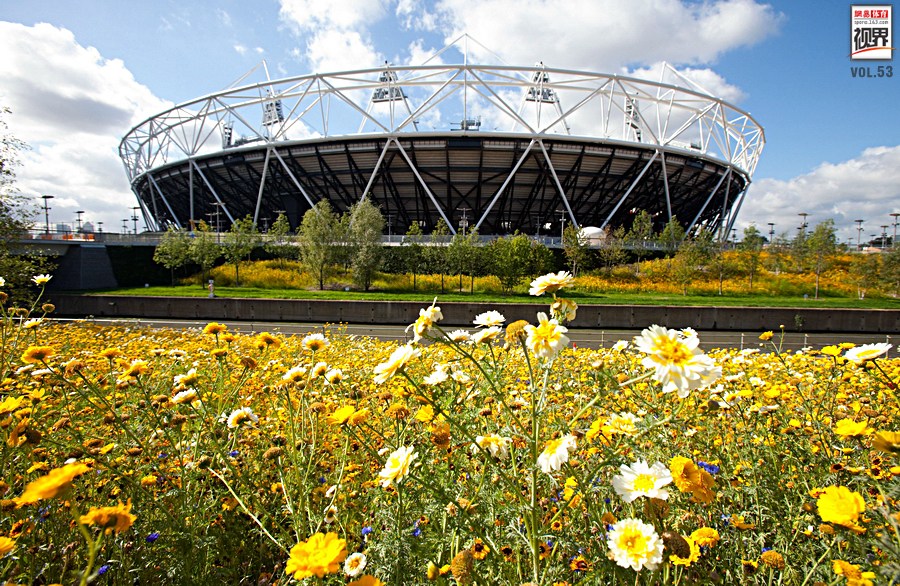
(78, 82)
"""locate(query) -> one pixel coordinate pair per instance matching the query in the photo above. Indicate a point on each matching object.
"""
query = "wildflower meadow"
(495, 454)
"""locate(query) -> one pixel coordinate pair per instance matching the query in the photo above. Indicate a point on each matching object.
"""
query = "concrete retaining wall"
(882, 321)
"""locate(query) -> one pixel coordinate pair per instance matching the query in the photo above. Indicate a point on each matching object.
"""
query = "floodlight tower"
(858, 234)
(894, 215)
(46, 199)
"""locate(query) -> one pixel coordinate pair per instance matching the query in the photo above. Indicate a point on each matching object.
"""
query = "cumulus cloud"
(72, 106)
(866, 187)
(608, 35)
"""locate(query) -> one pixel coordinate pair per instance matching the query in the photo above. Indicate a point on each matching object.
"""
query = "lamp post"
(771, 232)
(883, 236)
(99, 227)
(135, 218)
(78, 220)
(803, 222)
(562, 225)
(46, 199)
(858, 234)
(124, 226)
(463, 222)
(218, 206)
(894, 215)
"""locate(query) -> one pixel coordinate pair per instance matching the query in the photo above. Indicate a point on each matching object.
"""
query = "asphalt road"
(589, 338)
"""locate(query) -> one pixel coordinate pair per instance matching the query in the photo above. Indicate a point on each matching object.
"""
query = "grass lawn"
(486, 298)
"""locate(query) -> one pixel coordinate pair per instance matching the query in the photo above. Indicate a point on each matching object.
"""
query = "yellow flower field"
(491, 455)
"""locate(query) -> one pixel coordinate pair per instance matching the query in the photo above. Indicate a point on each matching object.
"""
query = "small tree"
(672, 234)
(865, 269)
(16, 217)
(240, 240)
(510, 260)
(750, 251)
(575, 247)
(436, 254)
(821, 247)
(413, 252)
(317, 237)
(640, 236)
(173, 250)
(366, 225)
(279, 240)
(692, 254)
(612, 250)
(890, 271)
(204, 249)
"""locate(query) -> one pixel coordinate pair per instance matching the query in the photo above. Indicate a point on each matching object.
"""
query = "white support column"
(165, 201)
(294, 179)
(213, 191)
(505, 183)
(708, 199)
(562, 193)
(424, 185)
(262, 184)
(630, 189)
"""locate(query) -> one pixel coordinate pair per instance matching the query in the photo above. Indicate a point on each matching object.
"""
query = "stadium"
(496, 148)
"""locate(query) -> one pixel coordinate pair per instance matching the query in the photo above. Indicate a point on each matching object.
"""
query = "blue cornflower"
(152, 537)
(711, 468)
(233, 453)
(102, 569)
(366, 530)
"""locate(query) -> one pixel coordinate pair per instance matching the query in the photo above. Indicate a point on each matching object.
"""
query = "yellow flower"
(214, 328)
(6, 545)
(884, 441)
(547, 338)
(398, 359)
(265, 339)
(341, 416)
(551, 283)
(240, 416)
(773, 559)
(358, 417)
(41, 279)
(317, 556)
(367, 580)
(480, 550)
(705, 536)
(149, 480)
(117, 518)
(766, 336)
(34, 354)
(693, 555)
(841, 506)
(397, 466)
(850, 428)
(137, 367)
(52, 484)
(563, 309)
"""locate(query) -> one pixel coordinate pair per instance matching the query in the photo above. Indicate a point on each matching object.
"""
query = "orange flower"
(55, 482)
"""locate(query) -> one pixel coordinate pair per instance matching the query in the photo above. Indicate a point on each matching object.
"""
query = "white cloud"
(309, 15)
(607, 35)
(72, 106)
(338, 50)
(866, 187)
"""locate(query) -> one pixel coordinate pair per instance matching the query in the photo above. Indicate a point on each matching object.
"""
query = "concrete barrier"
(881, 321)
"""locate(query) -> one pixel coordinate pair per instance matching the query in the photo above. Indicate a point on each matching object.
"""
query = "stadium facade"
(486, 147)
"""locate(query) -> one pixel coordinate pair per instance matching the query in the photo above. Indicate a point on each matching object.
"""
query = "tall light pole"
(562, 226)
(858, 234)
(894, 215)
(464, 222)
(883, 236)
(46, 199)
(78, 220)
(771, 232)
(124, 226)
(803, 223)
(99, 227)
(135, 218)
(218, 206)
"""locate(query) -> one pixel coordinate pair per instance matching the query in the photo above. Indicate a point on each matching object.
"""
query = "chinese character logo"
(871, 32)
